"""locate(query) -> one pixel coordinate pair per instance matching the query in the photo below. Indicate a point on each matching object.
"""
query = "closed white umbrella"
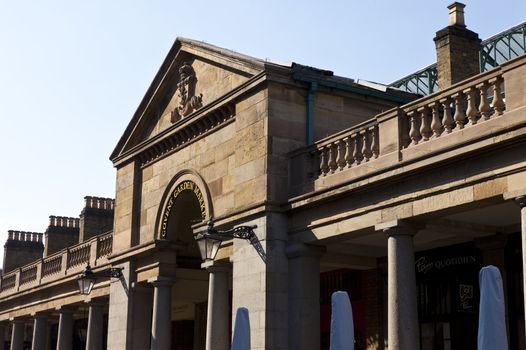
(492, 324)
(342, 325)
(241, 339)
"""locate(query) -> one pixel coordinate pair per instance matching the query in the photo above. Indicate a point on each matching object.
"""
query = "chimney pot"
(456, 14)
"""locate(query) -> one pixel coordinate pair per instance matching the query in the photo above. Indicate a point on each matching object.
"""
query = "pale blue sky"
(73, 72)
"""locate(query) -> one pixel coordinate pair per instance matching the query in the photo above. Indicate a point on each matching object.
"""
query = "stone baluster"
(447, 120)
(340, 158)
(498, 103)
(349, 144)
(460, 116)
(366, 145)
(357, 154)
(436, 123)
(425, 130)
(414, 132)
(332, 158)
(471, 109)
(375, 147)
(484, 109)
(324, 164)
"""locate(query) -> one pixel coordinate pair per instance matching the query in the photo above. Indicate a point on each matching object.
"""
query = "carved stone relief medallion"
(186, 88)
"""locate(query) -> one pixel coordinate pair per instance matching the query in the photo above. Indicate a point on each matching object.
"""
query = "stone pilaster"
(304, 296)
(142, 314)
(120, 310)
(17, 334)
(402, 315)
(162, 313)
(261, 285)
(65, 328)
(40, 331)
(217, 330)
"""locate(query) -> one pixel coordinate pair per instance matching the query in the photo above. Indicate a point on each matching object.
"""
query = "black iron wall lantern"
(88, 278)
(210, 239)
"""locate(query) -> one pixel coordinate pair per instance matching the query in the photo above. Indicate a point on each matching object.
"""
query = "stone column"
(162, 313)
(17, 336)
(2, 336)
(95, 334)
(217, 332)
(304, 296)
(40, 331)
(402, 316)
(521, 201)
(65, 328)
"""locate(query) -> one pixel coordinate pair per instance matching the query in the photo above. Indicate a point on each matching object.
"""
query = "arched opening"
(185, 211)
(184, 205)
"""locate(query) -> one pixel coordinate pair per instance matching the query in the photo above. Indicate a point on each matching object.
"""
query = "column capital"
(161, 281)
(17, 320)
(521, 201)
(298, 249)
(98, 301)
(217, 266)
(40, 314)
(66, 309)
(399, 227)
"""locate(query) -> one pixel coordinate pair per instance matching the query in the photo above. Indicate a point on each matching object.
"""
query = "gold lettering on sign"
(183, 186)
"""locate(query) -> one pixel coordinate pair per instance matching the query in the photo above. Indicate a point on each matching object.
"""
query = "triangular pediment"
(193, 76)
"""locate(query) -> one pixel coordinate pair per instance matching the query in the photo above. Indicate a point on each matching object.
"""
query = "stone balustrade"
(79, 254)
(463, 105)
(359, 144)
(67, 262)
(452, 117)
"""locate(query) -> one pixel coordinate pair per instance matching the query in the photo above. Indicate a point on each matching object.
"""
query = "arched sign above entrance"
(186, 185)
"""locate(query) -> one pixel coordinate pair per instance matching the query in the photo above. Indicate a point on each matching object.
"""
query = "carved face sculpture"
(186, 88)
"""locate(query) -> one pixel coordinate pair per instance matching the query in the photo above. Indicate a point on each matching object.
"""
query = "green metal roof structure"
(499, 48)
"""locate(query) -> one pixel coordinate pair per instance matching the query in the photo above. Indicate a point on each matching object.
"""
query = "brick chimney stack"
(457, 49)
(96, 217)
(21, 248)
(62, 232)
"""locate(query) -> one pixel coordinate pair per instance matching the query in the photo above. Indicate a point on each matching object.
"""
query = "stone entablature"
(477, 108)
(67, 263)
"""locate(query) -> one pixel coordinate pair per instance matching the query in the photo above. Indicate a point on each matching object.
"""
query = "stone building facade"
(396, 198)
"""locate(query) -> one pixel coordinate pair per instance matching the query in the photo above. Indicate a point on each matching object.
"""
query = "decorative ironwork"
(503, 47)
(189, 100)
(242, 232)
(493, 51)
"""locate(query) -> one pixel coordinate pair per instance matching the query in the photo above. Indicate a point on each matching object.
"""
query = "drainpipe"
(310, 112)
